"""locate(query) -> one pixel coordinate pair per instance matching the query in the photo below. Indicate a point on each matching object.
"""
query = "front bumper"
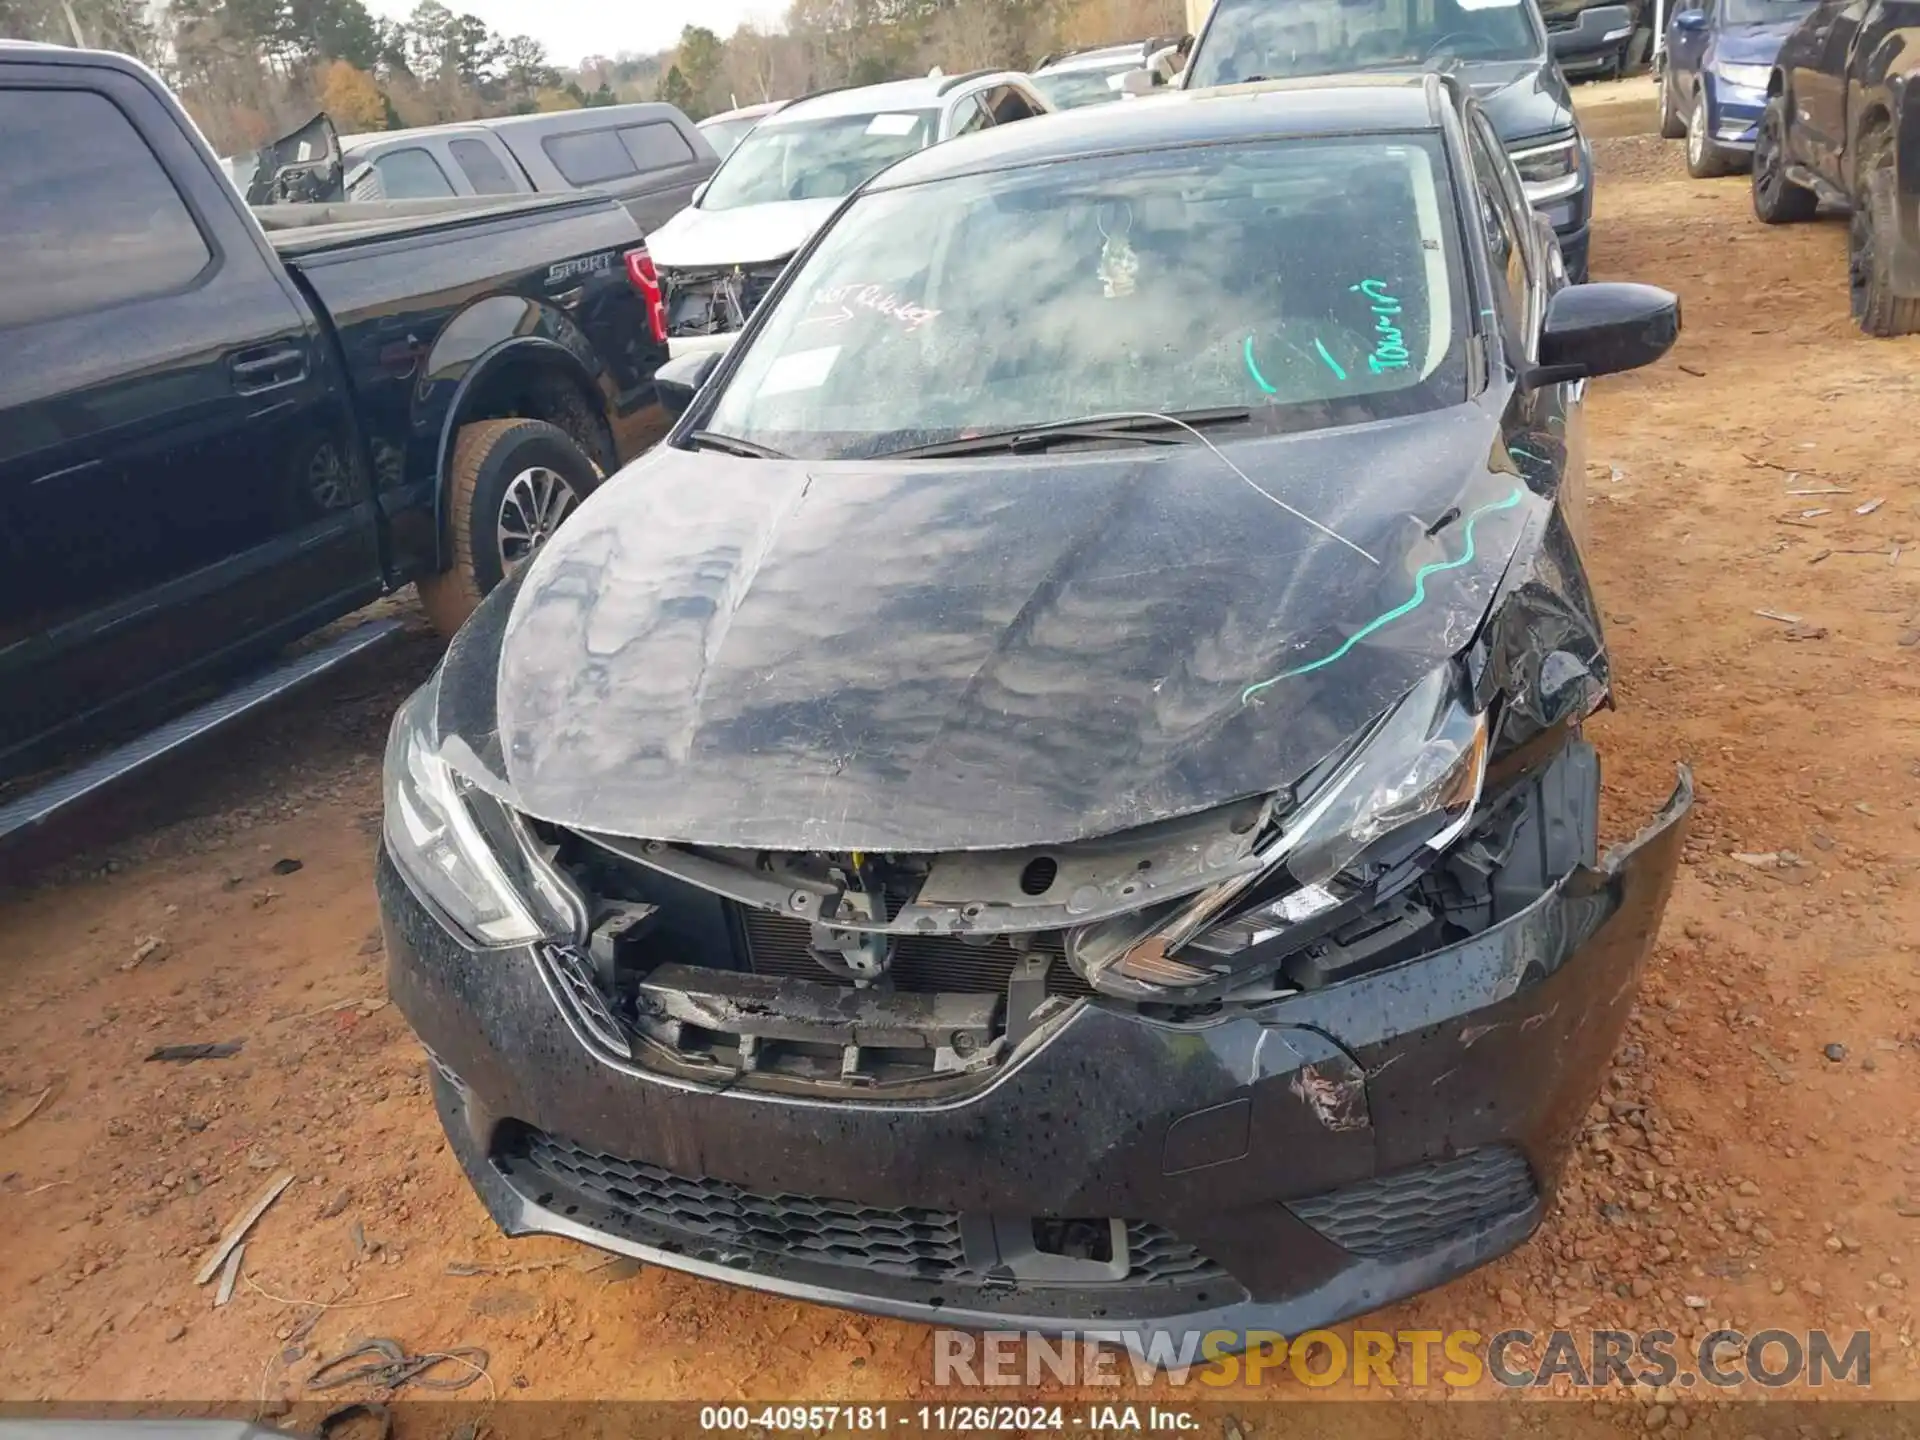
(1279, 1167)
(1735, 112)
(1590, 43)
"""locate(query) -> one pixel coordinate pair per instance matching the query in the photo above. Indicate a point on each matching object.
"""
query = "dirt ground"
(1748, 1163)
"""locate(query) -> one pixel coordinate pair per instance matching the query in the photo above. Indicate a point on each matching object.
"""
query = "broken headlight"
(1411, 782)
(470, 857)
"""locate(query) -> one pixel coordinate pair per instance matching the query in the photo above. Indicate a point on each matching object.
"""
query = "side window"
(969, 116)
(482, 167)
(656, 146)
(589, 157)
(412, 174)
(88, 217)
(1008, 105)
(1504, 242)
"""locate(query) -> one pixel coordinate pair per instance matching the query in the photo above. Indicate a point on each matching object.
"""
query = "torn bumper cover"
(1279, 1165)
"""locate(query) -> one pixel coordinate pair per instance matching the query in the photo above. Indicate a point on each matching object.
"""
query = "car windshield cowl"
(1141, 428)
(980, 311)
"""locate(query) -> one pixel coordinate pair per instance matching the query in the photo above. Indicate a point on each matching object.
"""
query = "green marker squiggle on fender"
(1390, 348)
(1413, 603)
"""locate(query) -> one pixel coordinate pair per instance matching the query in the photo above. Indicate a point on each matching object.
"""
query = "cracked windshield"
(1064, 290)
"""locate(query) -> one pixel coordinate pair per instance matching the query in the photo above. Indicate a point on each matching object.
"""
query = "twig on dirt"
(237, 1231)
(1870, 506)
(1818, 558)
(481, 1370)
(48, 1186)
(1784, 619)
(1794, 471)
(230, 1274)
(1822, 490)
(27, 1111)
(1815, 514)
(324, 1304)
(206, 1050)
(466, 1269)
(1697, 374)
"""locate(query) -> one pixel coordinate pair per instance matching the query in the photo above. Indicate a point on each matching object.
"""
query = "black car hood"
(931, 655)
(1523, 99)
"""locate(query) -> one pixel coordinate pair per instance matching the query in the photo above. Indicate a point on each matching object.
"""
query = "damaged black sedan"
(1057, 797)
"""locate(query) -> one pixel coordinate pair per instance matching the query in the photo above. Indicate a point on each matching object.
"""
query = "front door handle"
(267, 367)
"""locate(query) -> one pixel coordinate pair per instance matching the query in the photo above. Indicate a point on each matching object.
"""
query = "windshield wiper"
(734, 445)
(1141, 429)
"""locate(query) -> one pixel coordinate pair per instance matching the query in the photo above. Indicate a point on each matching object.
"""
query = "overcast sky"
(573, 29)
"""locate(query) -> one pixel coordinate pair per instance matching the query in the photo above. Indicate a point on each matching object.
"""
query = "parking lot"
(1755, 518)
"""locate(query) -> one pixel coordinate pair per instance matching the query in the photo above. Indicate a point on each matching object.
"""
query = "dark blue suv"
(1713, 77)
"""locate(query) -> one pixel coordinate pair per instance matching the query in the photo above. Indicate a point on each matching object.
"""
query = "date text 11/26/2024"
(955, 1419)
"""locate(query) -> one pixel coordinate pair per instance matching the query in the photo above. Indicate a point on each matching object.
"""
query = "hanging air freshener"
(1119, 266)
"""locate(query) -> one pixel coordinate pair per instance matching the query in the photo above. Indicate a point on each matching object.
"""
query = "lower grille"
(1423, 1207)
(712, 1215)
(922, 964)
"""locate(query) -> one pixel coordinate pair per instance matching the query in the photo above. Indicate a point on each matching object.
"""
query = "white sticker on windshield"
(1487, 4)
(899, 124)
(802, 370)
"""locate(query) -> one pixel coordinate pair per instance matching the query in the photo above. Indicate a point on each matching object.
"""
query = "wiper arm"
(734, 445)
(1142, 429)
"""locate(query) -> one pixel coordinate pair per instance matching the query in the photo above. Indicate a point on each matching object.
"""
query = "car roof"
(1337, 105)
(927, 92)
(1101, 59)
(452, 130)
(597, 118)
(745, 112)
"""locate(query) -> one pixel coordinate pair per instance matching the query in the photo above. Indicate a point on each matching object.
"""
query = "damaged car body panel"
(1045, 876)
(1017, 657)
(1397, 1075)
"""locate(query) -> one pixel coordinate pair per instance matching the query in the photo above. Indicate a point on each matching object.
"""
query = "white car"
(727, 130)
(721, 255)
(1096, 76)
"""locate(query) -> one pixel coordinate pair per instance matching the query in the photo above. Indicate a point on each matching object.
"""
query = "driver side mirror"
(1604, 329)
(1137, 82)
(1692, 20)
(680, 379)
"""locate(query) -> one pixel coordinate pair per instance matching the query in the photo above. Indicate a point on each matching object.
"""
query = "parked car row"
(1109, 600)
(1817, 98)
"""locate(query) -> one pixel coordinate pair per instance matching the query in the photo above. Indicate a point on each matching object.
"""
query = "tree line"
(248, 70)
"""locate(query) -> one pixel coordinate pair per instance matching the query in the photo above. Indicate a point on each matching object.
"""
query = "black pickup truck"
(222, 429)
(1842, 124)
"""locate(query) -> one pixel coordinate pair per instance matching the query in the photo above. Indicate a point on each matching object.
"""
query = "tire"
(1876, 309)
(1706, 160)
(512, 483)
(1673, 125)
(1776, 199)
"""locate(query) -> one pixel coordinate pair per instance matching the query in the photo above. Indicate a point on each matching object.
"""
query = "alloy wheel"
(536, 501)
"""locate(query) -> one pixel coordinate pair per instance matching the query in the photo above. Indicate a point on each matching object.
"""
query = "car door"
(966, 115)
(486, 170)
(1817, 97)
(1008, 102)
(178, 476)
(405, 172)
(1686, 46)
